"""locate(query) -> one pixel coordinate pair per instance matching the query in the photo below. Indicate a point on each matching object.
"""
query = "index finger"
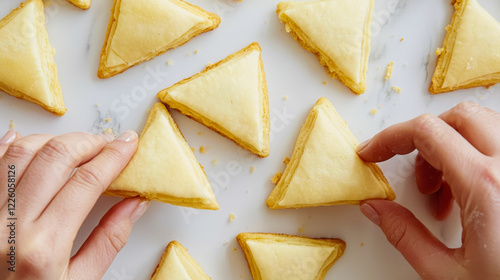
(438, 143)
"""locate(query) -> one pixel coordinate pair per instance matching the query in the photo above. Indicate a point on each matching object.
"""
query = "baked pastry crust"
(141, 30)
(82, 4)
(230, 97)
(278, 256)
(164, 167)
(469, 57)
(337, 32)
(27, 67)
(177, 264)
(325, 168)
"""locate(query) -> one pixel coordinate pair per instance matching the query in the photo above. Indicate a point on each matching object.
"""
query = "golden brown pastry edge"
(164, 97)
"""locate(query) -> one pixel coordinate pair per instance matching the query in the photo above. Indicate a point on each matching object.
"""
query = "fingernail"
(139, 211)
(370, 213)
(8, 138)
(363, 145)
(127, 136)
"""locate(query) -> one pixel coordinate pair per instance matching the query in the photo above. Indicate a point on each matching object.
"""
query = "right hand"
(459, 158)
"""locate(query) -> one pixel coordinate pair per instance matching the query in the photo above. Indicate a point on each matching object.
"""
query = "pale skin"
(459, 158)
(52, 202)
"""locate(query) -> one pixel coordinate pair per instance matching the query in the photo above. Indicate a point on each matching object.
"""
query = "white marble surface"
(291, 71)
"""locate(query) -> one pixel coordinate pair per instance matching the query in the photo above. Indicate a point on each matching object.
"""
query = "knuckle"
(397, 232)
(18, 150)
(490, 175)
(36, 260)
(465, 108)
(88, 176)
(113, 154)
(53, 151)
(426, 123)
(116, 236)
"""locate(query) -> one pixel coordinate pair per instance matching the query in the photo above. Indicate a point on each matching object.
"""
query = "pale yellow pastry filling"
(229, 95)
(284, 261)
(476, 49)
(178, 265)
(163, 165)
(338, 29)
(144, 27)
(329, 170)
(23, 67)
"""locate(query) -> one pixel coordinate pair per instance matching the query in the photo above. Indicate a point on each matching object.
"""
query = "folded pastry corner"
(164, 167)
(281, 257)
(82, 4)
(27, 67)
(325, 168)
(469, 56)
(177, 264)
(229, 97)
(337, 32)
(141, 30)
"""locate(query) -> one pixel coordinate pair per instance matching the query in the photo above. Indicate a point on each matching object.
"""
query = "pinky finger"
(6, 140)
(442, 202)
(107, 239)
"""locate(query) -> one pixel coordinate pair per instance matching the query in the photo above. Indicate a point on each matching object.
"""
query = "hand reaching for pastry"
(52, 200)
(459, 158)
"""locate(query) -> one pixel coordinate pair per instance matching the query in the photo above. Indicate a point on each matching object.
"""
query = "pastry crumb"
(192, 149)
(231, 217)
(402, 39)
(396, 89)
(380, 106)
(203, 149)
(235, 249)
(439, 51)
(378, 68)
(209, 64)
(324, 82)
(276, 177)
(188, 54)
(362, 244)
(252, 169)
(287, 160)
(12, 125)
(301, 229)
(285, 97)
(98, 105)
(109, 131)
(373, 111)
(199, 133)
(108, 119)
(390, 68)
(215, 162)
(170, 62)
(196, 51)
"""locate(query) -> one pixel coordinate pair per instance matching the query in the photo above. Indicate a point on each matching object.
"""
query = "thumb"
(430, 258)
(106, 240)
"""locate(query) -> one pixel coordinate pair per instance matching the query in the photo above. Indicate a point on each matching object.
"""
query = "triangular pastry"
(164, 167)
(230, 97)
(141, 30)
(337, 32)
(177, 264)
(82, 4)
(283, 257)
(469, 57)
(27, 67)
(325, 168)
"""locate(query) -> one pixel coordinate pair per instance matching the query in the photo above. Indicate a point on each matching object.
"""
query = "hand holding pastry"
(49, 185)
(459, 158)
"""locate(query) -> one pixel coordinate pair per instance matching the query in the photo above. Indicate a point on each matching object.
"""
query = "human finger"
(53, 165)
(73, 203)
(19, 155)
(427, 177)
(438, 143)
(7, 139)
(477, 124)
(106, 240)
(442, 202)
(408, 235)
